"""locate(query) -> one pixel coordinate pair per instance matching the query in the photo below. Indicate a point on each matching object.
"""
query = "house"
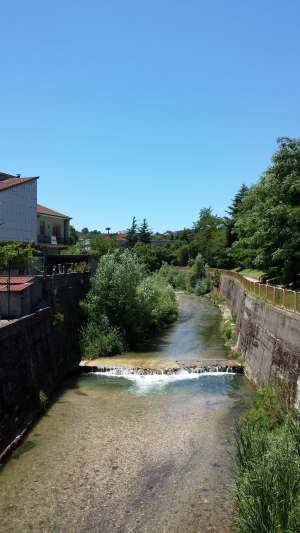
(18, 200)
(23, 220)
(53, 230)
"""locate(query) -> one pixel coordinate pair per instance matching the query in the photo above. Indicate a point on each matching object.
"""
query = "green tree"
(210, 239)
(144, 232)
(148, 253)
(124, 305)
(101, 244)
(132, 236)
(233, 211)
(268, 221)
(17, 256)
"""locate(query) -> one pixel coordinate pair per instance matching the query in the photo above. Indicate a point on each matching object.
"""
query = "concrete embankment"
(268, 338)
(37, 351)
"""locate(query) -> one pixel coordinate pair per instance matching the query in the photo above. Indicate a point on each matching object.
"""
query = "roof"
(15, 288)
(7, 181)
(16, 283)
(49, 212)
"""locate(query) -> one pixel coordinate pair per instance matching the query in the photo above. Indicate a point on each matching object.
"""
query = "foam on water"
(144, 383)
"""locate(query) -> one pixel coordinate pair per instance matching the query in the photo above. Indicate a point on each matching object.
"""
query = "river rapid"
(134, 453)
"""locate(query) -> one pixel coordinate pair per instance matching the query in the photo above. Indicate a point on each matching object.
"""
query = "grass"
(252, 272)
(267, 461)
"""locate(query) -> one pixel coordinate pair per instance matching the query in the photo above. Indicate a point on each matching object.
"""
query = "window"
(42, 227)
(56, 230)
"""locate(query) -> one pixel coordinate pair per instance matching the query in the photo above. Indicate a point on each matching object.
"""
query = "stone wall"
(268, 338)
(37, 351)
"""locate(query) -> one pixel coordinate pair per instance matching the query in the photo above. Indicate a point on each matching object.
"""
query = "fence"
(289, 300)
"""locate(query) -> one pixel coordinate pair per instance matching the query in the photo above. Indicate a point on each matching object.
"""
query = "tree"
(148, 253)
(232, 211)
(101, 244)
(17, 256)
(84, 231)
(144, 232)
(210, 239)
(268, 221)
(132, 236)
(125, 304)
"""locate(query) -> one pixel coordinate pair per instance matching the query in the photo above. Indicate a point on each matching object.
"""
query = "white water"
(148, 383)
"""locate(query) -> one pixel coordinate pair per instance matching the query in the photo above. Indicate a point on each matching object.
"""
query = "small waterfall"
(127, 371)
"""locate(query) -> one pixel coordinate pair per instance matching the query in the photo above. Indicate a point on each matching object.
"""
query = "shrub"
(267, 491)
(202, 286)
(197, 272)
(124, 305)
(173, 276)
(99, 340)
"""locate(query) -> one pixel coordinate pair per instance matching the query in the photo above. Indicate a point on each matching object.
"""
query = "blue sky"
(145, 108)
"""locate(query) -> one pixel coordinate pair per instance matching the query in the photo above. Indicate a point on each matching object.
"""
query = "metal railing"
(46, 239)
(284, 298)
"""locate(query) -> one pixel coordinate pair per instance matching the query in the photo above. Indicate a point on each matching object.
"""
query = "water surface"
(131, 453)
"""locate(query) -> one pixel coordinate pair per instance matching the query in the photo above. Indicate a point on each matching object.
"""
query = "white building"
(18, 208)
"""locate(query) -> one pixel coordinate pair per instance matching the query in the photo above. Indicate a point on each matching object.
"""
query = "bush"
(197, 272)
(124, 305)
(267, 491)
(173, 276)
(99, 340)
(202, 286)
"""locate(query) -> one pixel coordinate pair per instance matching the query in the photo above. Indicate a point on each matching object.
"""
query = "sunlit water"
(128, 454)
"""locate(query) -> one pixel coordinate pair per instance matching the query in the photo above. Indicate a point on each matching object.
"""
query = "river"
(134, 453)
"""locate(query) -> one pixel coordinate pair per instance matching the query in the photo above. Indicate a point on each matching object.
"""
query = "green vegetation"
(267, 222)
(216, 299)
(228, 332)
(17, 256)
(253, 272)
(267, 490)
(125, 305)
(43, 399)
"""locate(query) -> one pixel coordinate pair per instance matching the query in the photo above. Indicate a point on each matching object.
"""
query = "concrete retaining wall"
(37, 351)
(268, 338)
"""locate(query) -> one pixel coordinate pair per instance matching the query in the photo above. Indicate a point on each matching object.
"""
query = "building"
(18, 200)
(20, 296)
(53, 229)
(23, 220)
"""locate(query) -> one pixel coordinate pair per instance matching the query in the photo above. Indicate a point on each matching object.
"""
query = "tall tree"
(268, 221)
(132, 236)
(144, 232)
(210, 239)
(232, 211)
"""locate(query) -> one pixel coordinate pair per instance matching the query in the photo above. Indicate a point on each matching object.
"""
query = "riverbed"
(133, 453)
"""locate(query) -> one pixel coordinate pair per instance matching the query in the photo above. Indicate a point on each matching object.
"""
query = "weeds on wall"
(228, 333)
(216, 299)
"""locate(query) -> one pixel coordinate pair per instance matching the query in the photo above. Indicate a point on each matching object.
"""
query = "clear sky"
(145, 108)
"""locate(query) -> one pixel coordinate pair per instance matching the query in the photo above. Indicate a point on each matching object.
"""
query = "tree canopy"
(267, 223)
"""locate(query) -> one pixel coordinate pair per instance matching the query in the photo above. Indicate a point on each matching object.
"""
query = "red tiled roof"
(15, 279)
(45, 211)
(7, 181)
(15, 288)
(16, 283)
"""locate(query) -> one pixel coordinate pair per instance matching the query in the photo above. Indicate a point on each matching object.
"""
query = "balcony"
(48, 239)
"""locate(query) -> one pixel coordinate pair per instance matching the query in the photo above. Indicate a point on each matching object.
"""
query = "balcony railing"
(47, 239)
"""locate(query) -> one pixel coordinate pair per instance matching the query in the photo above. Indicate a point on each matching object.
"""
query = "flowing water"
(134, 452)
